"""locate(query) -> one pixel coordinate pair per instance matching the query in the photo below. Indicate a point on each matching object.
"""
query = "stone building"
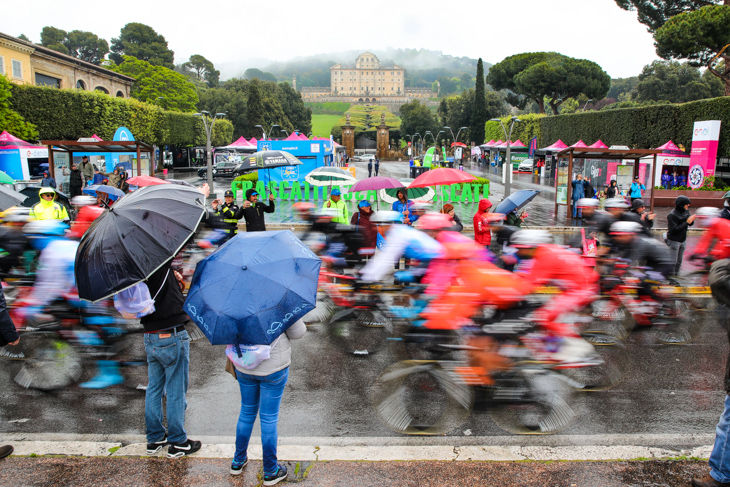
(27, 63)
(367, 78)
(368, 82)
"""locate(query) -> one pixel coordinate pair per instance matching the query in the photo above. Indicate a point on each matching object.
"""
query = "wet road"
(669, 390)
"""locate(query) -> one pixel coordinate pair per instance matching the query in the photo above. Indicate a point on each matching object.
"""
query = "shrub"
(252, 176)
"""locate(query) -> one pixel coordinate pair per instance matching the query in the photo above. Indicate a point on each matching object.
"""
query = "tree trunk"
(727, 81)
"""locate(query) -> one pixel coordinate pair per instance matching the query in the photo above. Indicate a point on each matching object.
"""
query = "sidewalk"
(153, 472)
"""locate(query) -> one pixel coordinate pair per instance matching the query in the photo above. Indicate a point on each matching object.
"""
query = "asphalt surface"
(153, 472)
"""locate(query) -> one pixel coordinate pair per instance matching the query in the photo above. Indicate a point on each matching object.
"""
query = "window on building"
(43, 80)
(102, 89)
(17, 69)
(80, 85)
(121, 95)
(2, 65)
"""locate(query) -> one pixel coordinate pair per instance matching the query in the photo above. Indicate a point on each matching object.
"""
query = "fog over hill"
(422, 66)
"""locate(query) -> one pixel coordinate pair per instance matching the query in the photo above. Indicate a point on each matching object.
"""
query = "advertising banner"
(562, 182)
(705, 139)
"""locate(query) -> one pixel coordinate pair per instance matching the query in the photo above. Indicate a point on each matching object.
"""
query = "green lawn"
(322, 124)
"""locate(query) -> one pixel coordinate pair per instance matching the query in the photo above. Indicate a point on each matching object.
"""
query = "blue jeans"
(720, 457)
(264, 393)
(168, 356)
(576, 211)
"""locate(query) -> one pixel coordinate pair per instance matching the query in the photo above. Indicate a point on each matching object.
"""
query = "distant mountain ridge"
(422, 66)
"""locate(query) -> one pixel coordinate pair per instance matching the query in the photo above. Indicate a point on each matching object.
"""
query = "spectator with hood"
(482, 230)
(361, 222)
(678, 222)
(403, 206)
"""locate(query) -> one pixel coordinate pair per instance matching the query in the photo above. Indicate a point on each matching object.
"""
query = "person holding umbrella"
(335, 202)
(253, 211)
(361, 222)
(403, 206)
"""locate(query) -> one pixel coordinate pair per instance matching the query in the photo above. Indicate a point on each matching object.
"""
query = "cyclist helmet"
(625, 228)
(525, 239)
(15, 214)
(706, 214)
(434, 221)
(83, 221)
(587, 203)
(327, 214)
(616, 203)
(42, 232)
(387, 217)
(420, 206)
(83, 200)
(303, 207)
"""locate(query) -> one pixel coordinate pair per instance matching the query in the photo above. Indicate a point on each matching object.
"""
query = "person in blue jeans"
(261, 391)
(719, 475)
(167, 346)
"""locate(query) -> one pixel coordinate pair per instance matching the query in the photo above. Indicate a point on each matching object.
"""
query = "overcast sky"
(251, 32)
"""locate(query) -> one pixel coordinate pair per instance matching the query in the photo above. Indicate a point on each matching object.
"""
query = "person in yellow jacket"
(47, 208)
(335, 202)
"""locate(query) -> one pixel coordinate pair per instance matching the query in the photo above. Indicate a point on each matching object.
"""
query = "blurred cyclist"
(552, 264)
(715, 242)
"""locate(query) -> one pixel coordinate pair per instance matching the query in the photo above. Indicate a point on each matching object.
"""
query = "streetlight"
(457, 133)
(208, 131)
(419, 138)
(507, 176)
(271, 130)
(263, 131)
(587, 101)
(285, 131)
(452, 133)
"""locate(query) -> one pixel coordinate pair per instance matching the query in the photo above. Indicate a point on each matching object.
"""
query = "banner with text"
(702, 159)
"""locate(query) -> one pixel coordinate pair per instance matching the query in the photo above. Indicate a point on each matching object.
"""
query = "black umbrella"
(135, 237)
(9, 197)
(516, 200)
(31, 192)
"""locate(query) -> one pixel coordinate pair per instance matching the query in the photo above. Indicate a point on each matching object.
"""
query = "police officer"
(229, 213)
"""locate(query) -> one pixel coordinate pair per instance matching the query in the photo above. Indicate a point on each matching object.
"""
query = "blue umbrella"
(516, 200)
(253, 288)
(114, 193)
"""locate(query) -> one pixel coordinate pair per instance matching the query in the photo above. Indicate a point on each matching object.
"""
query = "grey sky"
(229, 31)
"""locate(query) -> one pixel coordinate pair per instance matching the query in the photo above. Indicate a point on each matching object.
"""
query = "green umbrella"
(5, 178)
(416, 194)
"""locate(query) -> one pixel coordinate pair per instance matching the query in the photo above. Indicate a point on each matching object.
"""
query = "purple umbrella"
(375, 183)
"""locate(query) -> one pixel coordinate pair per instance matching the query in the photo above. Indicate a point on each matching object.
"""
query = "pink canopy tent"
(96, 137)
(303, 137)
(516, 144)
(598, 145)
(253, 141)
(670, 148)
(9, 140)
(579, 144)
(293, 136)
(557, 146)
(241, 142)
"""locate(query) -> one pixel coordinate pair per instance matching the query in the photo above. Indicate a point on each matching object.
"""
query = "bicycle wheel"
(697, 292)
(607, 317)
(356, 332)
(532, 401)
(674, 326)
(421, 398)
(600, 373)
(54, 364)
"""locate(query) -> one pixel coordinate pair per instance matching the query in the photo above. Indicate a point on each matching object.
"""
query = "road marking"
(486, 448)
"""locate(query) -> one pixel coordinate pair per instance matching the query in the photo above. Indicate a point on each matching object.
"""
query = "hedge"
(528, 127)
(641, 128)
(73, 114)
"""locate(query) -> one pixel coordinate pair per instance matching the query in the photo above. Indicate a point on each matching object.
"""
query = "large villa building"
(367, 82)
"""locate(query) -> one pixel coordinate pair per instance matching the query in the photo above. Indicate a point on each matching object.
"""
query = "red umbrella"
(441, 176)
(146, 181)
(458, 144)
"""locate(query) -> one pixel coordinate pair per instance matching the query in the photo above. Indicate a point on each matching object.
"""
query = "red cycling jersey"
(718, 230)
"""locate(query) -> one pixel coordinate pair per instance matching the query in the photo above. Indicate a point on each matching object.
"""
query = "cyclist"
(615, 209)
(715, 242)
(552, 264)
(56, 280)
(630, 244)
(400, 241)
